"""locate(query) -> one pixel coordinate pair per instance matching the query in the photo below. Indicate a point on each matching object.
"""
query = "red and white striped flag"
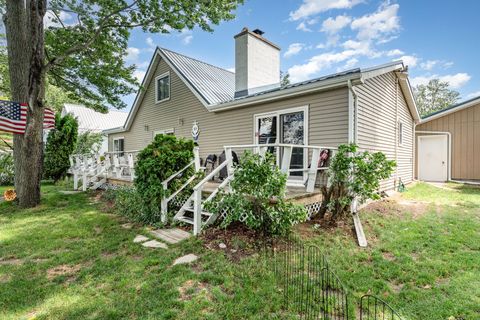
(49, 119)
(13, 116)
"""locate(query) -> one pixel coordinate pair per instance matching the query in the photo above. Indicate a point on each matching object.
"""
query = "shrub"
(6, 169)
(353, 175)
(256, 198)
(61, 143)
(129, 203)
(88, 142)
(158, 161)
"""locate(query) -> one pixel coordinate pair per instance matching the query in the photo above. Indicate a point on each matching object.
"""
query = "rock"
(154, 244)
(222, 245)
(233, 250)
(185, 259)
(140, 238)
(127, 226)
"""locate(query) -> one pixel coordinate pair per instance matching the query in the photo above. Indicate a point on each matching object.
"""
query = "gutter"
(449, 135)
(287, 93)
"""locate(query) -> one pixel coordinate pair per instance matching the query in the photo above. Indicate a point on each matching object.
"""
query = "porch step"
(208, 214)
(185, 219)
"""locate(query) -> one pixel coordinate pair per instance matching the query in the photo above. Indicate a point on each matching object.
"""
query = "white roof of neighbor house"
(91, 120)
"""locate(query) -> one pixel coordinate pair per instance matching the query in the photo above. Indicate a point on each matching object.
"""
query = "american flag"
(13, 117)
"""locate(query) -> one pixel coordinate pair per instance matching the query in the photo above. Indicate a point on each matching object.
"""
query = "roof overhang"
(406, 88)
(460, 106)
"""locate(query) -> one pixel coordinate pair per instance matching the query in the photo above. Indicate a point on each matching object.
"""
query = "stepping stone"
(171, 235)
(140, 238)
(69, 192)
(185, 259)
(154, 244)
(127, 226)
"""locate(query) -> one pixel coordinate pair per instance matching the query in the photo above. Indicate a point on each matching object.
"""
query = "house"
(373, 107)
(448, 146)
(90, 120)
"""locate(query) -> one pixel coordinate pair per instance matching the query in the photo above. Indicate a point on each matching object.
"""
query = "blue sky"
(318, 37)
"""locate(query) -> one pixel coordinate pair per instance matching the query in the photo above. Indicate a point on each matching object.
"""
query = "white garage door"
(433, 158)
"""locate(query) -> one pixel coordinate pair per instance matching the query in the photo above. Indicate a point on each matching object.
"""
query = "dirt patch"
(97, 230)
(388, 256)
(4, 278)
(236, 241)
(397, 206)
(311, 228)
(63, 270)
(11, 261)
(191, 288)
(108, 255)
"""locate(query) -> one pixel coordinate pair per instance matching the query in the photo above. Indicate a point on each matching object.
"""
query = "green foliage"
(61, 143)
(87, 59)
(88, 142)
(284, 79)
(354, 174)
(257, 191)
(434, 96)
(129, 203)
(6, 169)
(165, 156)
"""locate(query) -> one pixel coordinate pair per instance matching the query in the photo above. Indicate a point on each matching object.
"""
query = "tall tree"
(82, 51)
(434, 96)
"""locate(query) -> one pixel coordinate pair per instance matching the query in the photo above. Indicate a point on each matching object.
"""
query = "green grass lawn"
(66, 259)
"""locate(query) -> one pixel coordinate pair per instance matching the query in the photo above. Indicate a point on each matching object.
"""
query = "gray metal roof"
(91, 120)
(214, 84)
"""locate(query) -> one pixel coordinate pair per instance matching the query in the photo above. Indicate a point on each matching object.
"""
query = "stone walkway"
(171, 236)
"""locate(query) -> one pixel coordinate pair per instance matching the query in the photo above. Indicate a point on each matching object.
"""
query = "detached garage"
(448, 144)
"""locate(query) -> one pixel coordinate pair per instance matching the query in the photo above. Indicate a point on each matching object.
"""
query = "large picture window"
(162, 87)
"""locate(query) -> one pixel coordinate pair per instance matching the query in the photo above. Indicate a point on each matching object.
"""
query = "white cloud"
(51, 20)
(410, 61)
(150, 42)
(293, 49)
(395, 52)
(187, 39)
(232, 69)
(429, 64)
(139, 74)
(312, 7)
(303, 27)
(473, 95)
(379, 24)
(455, 80)
(132, 54)
(334, 25)
(349, 65)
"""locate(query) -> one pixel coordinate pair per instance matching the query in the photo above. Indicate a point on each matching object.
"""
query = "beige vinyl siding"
(328, 118)
(464, 127)
(379, 100)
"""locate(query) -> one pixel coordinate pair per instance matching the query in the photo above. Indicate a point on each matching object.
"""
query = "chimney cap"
(258, 34)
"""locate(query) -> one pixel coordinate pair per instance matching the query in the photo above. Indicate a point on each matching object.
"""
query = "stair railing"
(198, 189)
(166, 200)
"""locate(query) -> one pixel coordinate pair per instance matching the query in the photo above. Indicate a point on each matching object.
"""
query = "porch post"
(197, 211)
(196, 154)
(312, 173)
(164, 203)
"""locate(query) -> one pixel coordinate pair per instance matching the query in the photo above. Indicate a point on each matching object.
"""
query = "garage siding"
(379, 101)
(328, 117)
(464, 127)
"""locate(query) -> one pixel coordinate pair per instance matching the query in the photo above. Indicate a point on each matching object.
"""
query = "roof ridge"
(450, 107)
(183, 55)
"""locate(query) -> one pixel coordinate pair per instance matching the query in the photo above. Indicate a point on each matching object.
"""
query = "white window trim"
(116, 139)
(163, 75)
(166, 131)
(278, 113)
(400, 135)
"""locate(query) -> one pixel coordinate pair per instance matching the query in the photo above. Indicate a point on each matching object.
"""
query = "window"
(119, 145)
(162, 87)
(400, 133)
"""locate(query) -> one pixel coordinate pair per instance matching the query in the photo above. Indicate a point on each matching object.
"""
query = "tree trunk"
(25, 44)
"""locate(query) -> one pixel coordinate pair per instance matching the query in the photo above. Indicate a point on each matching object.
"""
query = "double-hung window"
(162, 87)
(119, 146)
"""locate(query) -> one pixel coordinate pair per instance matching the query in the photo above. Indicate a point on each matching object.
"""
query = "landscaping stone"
(154, 244)
(140, 238)
(222, 245)
(69, 191)
(127, 226)
(171, 236)
(189, 258)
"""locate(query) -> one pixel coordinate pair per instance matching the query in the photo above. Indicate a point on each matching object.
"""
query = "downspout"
(352, 113)
(449, 135)
(395, 181)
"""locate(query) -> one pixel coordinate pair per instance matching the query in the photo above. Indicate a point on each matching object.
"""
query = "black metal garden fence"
(312, 290)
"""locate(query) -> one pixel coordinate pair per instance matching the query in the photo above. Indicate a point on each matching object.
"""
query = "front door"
(433, 158)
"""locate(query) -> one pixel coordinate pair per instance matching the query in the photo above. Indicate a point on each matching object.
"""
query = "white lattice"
(312, 209)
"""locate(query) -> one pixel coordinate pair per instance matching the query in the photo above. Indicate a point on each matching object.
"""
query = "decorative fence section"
(312, 290)
(374, 308)
(310, 287)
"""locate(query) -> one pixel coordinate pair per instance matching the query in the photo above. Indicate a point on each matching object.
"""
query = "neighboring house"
(93, 121)
(448, 146)
(373, 107)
